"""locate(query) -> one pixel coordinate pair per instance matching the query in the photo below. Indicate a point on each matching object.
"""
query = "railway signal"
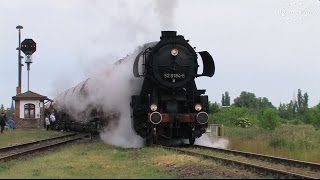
(28, 47)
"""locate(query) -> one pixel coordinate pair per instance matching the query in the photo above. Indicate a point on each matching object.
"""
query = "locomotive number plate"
(176, 76)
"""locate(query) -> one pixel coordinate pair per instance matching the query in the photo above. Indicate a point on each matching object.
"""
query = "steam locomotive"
(169, 105)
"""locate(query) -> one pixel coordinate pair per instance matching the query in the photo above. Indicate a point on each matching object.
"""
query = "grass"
(9, 138)
(292, 141)
(97, 160)
(83, 161)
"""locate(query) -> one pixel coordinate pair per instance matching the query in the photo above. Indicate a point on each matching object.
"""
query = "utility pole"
(19, 27)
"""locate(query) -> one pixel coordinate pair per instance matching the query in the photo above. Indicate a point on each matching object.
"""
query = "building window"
(29, 111)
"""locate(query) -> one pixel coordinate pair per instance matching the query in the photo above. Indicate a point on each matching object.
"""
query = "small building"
(215, 130)
(29, 110)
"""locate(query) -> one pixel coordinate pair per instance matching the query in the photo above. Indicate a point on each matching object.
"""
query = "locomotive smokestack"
(167, 34)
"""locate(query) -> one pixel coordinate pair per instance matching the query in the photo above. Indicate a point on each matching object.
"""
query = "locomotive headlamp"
(174, 52)
(198, 107)
(153, 107)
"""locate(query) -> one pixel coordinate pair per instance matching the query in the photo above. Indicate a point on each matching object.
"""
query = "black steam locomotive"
(170, 106)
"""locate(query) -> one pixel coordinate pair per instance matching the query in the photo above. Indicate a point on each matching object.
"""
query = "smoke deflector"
(136, 65)
(208, 64)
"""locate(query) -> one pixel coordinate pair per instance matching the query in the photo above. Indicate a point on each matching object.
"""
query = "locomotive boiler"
(169, 105)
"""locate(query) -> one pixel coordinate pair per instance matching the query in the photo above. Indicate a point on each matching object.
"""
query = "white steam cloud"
(120, 86)
(205, 140)
(110, 91)
(165, 10)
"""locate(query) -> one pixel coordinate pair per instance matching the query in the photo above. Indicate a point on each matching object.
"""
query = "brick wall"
(26, 123)
(29, 123)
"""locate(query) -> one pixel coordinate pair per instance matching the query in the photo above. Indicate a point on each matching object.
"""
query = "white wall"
(37, 107)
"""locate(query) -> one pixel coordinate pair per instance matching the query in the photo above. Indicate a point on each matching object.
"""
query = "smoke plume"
(165, 10)
(205, 140)
(109, 90)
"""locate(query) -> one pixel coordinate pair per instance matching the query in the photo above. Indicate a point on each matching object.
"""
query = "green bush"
(243, 122)
(315, 118)
(269, 119)
(296, 121)
(230, 116)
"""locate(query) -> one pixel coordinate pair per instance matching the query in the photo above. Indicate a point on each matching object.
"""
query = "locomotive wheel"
(192, 138)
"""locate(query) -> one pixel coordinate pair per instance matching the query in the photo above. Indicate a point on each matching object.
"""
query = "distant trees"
(264, 103)
(286, 110)
(302, 102)
(305, 100)
(248, 109)
(249, 100)
(246, 99)
(8, 111)
(296, 109)
(225, 99)
(213, 107)
(2, 110)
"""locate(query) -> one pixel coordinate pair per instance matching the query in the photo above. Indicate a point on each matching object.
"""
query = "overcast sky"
(268, 47)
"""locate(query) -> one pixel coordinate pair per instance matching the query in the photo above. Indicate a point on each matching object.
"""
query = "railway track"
(262, 164)
(280, 160)
(17, 151)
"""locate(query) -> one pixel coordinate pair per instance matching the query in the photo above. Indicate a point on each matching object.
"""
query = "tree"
(249, 100)
(213, 107)
(305, 100)
(302, 107)
(287, 111)
(264, 103)
(10, 112)
(2, 110)
(223, 102)
(315, 117)
(246, 99)
(283, 111)
(269, 119)
(225, 99)
(295, 107)
(300, 99)
(302, 104)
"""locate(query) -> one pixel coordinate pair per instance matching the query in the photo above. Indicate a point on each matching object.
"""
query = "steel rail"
(8, 148)
(257, 169)
(286, 161)
(40, 148)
